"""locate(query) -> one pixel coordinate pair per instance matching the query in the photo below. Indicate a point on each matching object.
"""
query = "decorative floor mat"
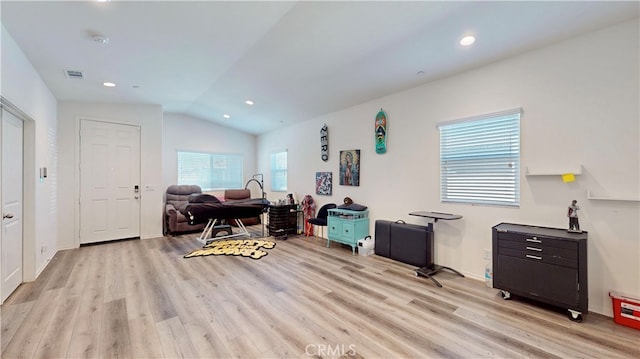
(252, 248)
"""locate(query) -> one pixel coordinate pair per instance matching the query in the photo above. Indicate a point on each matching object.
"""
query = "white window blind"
(480, 159)
(279, 171)
(211, 171)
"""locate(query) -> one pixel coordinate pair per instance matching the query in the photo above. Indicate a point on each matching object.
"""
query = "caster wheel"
(575, 316)
(505, 295)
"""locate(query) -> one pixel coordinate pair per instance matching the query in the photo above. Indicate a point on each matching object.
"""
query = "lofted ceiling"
(295, 60)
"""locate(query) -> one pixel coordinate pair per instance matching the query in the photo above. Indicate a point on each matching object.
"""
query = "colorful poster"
(324, 183)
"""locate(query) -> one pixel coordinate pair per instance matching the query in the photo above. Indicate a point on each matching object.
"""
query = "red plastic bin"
(626, 310)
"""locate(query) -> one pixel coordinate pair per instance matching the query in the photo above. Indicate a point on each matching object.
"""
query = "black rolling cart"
(283, 220)
(548, 265)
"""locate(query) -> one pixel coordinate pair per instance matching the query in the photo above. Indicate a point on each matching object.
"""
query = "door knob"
(7, 216)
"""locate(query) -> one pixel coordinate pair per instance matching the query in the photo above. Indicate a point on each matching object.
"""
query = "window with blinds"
(480, 159)
(210, 171)
(279, 171)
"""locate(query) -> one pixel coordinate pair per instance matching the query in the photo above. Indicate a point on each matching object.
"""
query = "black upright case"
(404, 242)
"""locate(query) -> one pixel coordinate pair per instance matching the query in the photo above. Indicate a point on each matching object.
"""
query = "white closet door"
(12, 167)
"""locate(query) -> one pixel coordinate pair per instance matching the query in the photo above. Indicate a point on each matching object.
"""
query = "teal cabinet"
(347, 227)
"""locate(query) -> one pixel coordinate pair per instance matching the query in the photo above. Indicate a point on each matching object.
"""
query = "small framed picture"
(324, 183)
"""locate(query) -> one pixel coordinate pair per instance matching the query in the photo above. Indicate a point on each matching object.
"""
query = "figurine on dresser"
(572, 213)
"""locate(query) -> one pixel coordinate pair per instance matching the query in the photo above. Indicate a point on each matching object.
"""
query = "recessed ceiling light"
(249, 102)
(101, 39)
(467, 40)
(226, 116)
(109, 84)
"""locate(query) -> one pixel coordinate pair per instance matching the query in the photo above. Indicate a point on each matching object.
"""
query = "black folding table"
(433, 268)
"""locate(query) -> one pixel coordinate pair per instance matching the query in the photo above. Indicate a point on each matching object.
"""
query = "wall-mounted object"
(350, 168)
(555, 171)
(324, 143)
(324, 183)
(381, 132)
(43, 172)
(618, 198)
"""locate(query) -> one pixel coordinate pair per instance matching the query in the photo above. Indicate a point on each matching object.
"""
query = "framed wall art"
(324, 183)
(350, 168)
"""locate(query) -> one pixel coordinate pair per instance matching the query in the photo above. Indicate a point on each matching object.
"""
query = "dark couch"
(176, 197)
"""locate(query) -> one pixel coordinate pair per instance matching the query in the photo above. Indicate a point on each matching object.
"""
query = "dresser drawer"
(347, 230)
(543, 249)
(538, 257)
(556, 283)
(536, 240)
(334, 227)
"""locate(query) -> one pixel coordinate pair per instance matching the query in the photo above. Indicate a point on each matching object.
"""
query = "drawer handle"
(534, 249)
(346, 230)
(533, 257)
(534, 240)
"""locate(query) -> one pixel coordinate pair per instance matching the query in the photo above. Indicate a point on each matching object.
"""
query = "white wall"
(580, 102)
(580, 99)
(186, 133)
(23, 87)
(149, 118)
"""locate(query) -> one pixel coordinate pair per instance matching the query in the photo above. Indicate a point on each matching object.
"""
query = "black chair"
(321, 218)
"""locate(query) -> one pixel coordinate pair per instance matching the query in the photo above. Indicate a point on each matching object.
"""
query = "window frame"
(480, 159)
(275, 172)
(213, 185)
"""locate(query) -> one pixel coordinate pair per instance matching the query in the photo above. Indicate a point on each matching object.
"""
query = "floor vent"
(74, 74)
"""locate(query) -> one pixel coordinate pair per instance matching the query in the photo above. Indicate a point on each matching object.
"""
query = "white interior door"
(12, 165)
(109, 181)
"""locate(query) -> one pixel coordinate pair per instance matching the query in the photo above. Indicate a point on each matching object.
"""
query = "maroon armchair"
(232, 195)
(176, 197)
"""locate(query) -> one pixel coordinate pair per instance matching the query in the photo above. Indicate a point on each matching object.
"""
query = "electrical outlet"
(487, 254)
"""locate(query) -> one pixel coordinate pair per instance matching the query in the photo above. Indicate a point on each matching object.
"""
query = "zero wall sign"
(324, 143)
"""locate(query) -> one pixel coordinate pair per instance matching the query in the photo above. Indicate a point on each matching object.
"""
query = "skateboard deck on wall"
(381, 132)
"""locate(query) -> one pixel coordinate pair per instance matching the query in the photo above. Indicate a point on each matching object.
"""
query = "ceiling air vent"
(72, 74)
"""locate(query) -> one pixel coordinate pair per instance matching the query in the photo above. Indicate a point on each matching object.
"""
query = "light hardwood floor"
(141, 299)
